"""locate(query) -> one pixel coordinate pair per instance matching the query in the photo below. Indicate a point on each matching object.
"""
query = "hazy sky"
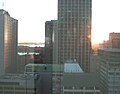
(32, 14)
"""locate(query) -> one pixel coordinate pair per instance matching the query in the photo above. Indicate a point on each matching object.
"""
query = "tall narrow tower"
(8, 43)
(50, 41)
(74, 31)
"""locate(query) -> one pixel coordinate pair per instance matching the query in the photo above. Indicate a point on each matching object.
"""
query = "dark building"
(39, 56)
(74, 31)
(80, 83)
(14, 42)
(29, 55)
(50, 29)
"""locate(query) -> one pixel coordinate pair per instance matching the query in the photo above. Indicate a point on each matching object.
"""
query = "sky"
(32, 14)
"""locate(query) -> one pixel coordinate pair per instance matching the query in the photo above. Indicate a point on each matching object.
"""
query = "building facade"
(74, 31)
(80, 83)
(114, 39)
(17, 84)
(109, 70)
(51, 42)
(8, 42)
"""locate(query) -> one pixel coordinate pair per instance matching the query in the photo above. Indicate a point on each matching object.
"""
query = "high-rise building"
(51, 42)
(14, 44)
(74, 31)
(8, 43)
(109, 69)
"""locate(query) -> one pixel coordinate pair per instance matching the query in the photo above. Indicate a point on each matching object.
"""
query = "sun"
(99, 37)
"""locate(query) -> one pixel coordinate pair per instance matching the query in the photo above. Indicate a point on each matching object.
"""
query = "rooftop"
(66, 68)
(110, 49)
(80, 80)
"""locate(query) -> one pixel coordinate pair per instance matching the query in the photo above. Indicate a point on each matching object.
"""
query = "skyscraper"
(51, 42)
(74, 31)
(8, 43)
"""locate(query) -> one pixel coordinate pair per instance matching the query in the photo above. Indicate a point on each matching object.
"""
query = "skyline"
(105, 19)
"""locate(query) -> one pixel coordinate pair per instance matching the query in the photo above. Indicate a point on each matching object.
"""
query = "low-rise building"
(80, 83)
(17, 84)
(67, 78)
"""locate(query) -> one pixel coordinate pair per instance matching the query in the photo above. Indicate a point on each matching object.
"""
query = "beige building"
(114, 39)
(8, 42)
